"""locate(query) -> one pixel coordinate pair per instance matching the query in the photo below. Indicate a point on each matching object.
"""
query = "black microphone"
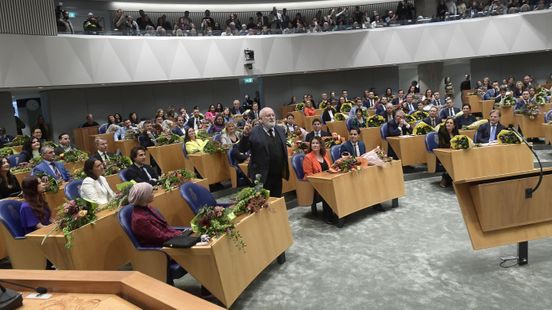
(10, 299)
(39, 289)
(529, 191)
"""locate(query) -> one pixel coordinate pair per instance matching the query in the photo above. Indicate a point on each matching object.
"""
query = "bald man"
(267, 144)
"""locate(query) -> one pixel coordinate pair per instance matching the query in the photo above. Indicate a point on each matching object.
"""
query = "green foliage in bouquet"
(346, 107)
(27, 167)
(532, 111)
(420, 115)
(506, 136)
(167, 138)
(216, 221)
(131, 134)
(117, 163)
(19, 140)
(345, 164)
(121, 198)
(409, 118)
(422, 129)
(323, 105)
(73, 156)
(51, 144)
(52, 185)
(461, 142)
(509, 101)
(375, 120)
(213, 147)
(251, 199)
(340, 117)
(202, 134)
(174, 179)
(78, 174)
(300, 106)
(72, 215)
(6, 151)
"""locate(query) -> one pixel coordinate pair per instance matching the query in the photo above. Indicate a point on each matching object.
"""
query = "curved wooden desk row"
(287, 185)
(101, 290)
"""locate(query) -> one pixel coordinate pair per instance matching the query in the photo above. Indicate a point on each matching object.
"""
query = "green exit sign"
(248, 80)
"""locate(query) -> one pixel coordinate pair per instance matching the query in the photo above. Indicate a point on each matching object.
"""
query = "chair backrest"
(217, 137)
(103, 129)
(184, 150)
(383, 131)
(72, 189)
(196, 196)
(335, 152)
(431, 141)
(475, 137)
(122, 175)
(548, 116)
(297, 164)
(125, 219)
(231, 161)
(10, 217)
(12, 160)
(349, 123)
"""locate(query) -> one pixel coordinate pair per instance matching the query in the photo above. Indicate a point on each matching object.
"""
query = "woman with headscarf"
(148, 225)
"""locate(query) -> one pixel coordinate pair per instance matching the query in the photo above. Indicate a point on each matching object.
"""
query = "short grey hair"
(45, 149)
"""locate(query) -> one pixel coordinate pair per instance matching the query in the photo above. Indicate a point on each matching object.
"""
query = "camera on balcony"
(249, 59)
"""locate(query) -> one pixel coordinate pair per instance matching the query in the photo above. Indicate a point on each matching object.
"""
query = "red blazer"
(150, 228)
(311, 164)
(309, 111)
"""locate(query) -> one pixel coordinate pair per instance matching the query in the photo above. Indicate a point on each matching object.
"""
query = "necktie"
(451, 112)
(271, 132)
(357, 150)
(56, 171)
(147, 173)
(104, 158)
(433, 122)
(492, 137)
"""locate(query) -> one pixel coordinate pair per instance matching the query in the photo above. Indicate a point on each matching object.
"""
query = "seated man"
(389, 112)
(522, 102)
(101, 150)
(90, 121)
(195, 121)
(329, 113)
(409, 105)
(487, 132)
(179, 129)
(449, 110)
(121, 132)
(316, 130)
(432, 120)
(4, 138)
(398, 126)
(64, 144)
(467, 118)
(140, 171)
(380, 106)
(353, 146)
(49, 166)
(148, 135)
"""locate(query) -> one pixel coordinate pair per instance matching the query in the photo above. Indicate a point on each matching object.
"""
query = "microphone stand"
(529, 191)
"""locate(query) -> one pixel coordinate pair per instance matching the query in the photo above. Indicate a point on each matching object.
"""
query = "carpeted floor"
(412, 257)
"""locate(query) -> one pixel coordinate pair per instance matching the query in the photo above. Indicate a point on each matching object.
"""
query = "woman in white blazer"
(95, 187)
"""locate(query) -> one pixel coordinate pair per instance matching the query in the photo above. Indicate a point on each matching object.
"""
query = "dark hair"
(28, 148)
(443, 128)
(466, 104)
(9, 176)
(61, 135)
(322, 146)
(89, 166)
(316, 120)
(33, 197)
(186, 136)
(355, 129)
(134, 151)
(290, 114)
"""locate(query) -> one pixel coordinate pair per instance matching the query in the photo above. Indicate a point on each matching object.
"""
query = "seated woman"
(227, 115)
(317, 160)
(148, 225)
(309, 110)
(211, 113)
(217, 126)
(31, 149)
(95, 187)
(467, 118)
(359, 121)
(446, 133)
(9, 186)
(193, 145)
(34, 212)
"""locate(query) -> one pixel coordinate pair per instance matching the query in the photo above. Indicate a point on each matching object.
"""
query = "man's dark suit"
(348, 147)
(326, 115)
(191, 121)
(139, 175)
(445, 112)
(428, 121)
(310, 135)
(97, 156)
(262, 162)
(386, 116)
(393, 129)
(484, 132)
(179, 131)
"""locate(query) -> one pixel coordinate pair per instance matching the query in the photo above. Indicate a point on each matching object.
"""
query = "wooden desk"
(308, 122)
(547, 129)
(299, 117)
(113, 180)
(287, 185)
(486, 107)
(531, 128)
(103, 290)
(507, 116)
(225, 270)
(371, 137)
(490, 160)
(284, 110)
(545, 108)
(497, 213)
(475, 103)
(340, 127)
(72, 167)
(106, 136)
(55, 200)
(17, 149)
(347, 193)
(125, 146)
(103, 245)
(170, 157)
(81, 138)
(411, 150)
(21, 175)
(213, 167)
(468, 132)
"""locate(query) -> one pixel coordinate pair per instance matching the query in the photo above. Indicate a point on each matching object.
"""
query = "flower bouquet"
(422, 129)
(300, 147)
(323, 105)
(332, 140)
(131, 134)
(345, 164)
(117, 163)
(300, 106)
(72, 215)
(73, 156)
(508, 137)
(174, 179)
(420, 115)
(52, 185)
(509, 101)
(475, 125)
(376, 157)
(202, 134)
(461, 142)
(346, 107)
(78, 174)
(216, 221)
(340, 117)
(6, 151)
(213, 147)
(121, 198)
(409, 118)
(26, 167)
(375, 120)
(532, 111)
(166, 138)
(19, 140)
(251, 199)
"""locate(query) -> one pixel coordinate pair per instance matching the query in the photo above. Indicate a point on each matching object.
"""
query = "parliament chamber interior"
(299, 154)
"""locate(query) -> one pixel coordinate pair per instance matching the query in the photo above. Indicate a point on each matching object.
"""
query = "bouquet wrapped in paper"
(420, 115)
(506, 136)
(376, 157)
(375, 120)
(422, 129)
(300, 106)
(409, 118)
(475, 125)
(461, 142)
(6, 151)
(341, 116)
(346, 107)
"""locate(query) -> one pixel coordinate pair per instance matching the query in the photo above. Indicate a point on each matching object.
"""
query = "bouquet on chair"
(461, 142)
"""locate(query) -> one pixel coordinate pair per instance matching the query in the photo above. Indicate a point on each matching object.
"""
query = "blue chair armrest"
(148, 248)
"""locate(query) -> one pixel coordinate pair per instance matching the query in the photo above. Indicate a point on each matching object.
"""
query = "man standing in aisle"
(267, 144)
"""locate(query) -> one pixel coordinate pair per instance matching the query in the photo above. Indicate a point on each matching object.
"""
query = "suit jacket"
(326, 115)
(348, 147)
(97, 156)
(311, 164)
(393, 129)
(145, 140)
(427, 120)
(60, 150)
(380, 108)
(257, 143)
(521, 104)
(139, 175)
(385, 115)
(235, 111)
(190, 123)
(484, 132)
(445, 112)
(464, 121)
(310, 135)
(178, 131)
(44, 168)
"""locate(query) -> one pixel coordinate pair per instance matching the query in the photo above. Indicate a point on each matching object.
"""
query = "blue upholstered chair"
(72, 189)
(17, 245)
(103, 128)
(383, 131)
(13, 160)
(335, 153)
(149, 260)
(122, 175)
(548, 116)
(237, 176)
(431, 142)
(184, 150)
(349, 123)
(304, 189)
(197, 196)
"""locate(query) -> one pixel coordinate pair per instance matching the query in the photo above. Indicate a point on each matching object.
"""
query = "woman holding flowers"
(446, 133)
(94, 187)
(34, 212)
(193, 144)
(317, 160)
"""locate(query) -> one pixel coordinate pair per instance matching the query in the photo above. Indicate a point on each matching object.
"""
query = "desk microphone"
(10, 299)
(529, 191)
